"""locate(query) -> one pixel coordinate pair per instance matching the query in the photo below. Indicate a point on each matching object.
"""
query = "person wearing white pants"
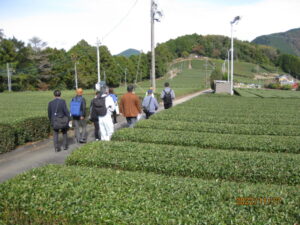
(105, 122)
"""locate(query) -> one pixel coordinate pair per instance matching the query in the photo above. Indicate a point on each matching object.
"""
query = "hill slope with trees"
(287, 42)
(37, 67)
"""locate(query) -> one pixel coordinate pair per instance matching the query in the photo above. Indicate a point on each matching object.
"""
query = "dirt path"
(41, 153)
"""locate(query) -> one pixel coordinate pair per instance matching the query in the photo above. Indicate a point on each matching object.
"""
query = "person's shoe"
(57, 149)
(66, 148)
(82, 141)
(97, 139)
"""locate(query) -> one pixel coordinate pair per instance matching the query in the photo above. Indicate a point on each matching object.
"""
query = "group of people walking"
(104, 109)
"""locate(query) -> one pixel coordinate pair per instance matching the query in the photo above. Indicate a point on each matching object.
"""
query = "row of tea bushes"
(227, 165)
(264, 143)
(222, 128)
(190, 116)
(20, 132)
(79, 195)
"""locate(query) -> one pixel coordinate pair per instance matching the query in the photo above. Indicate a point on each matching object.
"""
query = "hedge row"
(18, 133)
(238, 166)
(263, 143)
(76, 195)
(223, 128)
(233, 112)
(191, 116)
(7, 138)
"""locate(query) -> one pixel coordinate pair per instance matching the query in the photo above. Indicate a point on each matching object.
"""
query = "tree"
(37, 44)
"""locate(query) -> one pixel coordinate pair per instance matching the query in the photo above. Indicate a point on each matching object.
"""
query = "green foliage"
(290, 64)
(215, 75)
(31, 129)
(7, 138)
(222, 128)
(262, 143)
(286, 42)
(263, 93)
(190, 162)
(80, 195)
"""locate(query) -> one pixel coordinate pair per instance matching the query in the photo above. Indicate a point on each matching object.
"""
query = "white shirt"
(109, 103)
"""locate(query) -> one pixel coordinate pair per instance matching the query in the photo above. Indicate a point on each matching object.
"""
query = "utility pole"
(104, 76)
(76, 77)
(206, 72)
(235, 20)
(153, 12)
(153, 84)
(8, 77)
(98, 60)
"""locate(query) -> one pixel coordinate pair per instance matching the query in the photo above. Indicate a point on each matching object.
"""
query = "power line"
(121, 21)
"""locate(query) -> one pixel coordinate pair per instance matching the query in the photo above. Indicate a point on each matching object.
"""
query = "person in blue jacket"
(150, 104)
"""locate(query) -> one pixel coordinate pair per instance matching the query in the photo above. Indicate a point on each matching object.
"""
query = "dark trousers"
(65, 138)
(114, 117)
(97, 130)
(131, 121)
(148, 114)
(167, 106)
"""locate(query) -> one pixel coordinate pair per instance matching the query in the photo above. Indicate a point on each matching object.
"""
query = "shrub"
(76, 195)
(262, 143)
(31, 129)
(7, 138)
(239, 166)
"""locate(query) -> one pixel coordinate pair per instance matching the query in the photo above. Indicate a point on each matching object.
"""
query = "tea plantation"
(212, 160)
(24, 114)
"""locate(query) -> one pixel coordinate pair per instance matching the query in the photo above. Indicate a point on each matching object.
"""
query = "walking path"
(41, 153)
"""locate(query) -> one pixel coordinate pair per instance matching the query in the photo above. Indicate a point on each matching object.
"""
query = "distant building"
(285, 79)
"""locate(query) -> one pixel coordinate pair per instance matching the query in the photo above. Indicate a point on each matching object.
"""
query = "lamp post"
(235, 21)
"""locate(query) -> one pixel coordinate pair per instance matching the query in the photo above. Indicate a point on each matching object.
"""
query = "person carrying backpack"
(94, 117)
(167, 95)
(150, 104)
(78, 112)
(104, 106)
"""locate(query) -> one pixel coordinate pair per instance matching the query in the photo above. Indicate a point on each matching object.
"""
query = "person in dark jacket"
(58, 107)
(94, 117)
(79, 121)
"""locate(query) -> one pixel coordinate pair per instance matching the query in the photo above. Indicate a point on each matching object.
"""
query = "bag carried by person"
(147, 109)
(59, 122)
(167, 97)
(117, 109)
(99, 106)
(75, 106)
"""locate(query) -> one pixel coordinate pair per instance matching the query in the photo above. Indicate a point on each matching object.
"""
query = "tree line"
(36, 66)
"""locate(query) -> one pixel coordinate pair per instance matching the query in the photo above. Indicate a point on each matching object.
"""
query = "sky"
(123, 24)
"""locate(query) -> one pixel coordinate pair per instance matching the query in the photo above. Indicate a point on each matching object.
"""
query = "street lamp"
(235, 21)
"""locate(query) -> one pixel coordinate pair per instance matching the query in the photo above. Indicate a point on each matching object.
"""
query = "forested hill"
(37, 67)
(129, 52)
(287, 42)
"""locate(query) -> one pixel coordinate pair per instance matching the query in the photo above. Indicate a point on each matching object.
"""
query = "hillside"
(287, 42)
(129, 52)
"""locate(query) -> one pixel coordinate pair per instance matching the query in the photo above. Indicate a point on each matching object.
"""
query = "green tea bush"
(262, 143)
(31, 129)
(7, 138)
(78, 195)
(223, 128)
(209, 164)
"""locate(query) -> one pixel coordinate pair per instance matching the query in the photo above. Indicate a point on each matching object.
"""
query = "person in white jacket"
(105, 122)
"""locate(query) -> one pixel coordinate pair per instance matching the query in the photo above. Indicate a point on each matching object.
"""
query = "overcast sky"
(62, 23)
